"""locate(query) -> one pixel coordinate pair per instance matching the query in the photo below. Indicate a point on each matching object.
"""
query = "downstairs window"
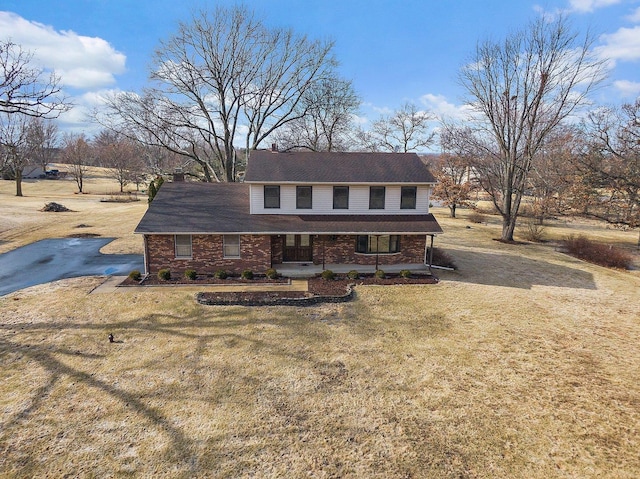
(368, 244)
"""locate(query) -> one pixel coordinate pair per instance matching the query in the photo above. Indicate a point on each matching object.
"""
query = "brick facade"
(207, 254)
(259, 252)
(341, 249)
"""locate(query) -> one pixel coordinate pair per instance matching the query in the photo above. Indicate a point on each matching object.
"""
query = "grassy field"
(524, 363)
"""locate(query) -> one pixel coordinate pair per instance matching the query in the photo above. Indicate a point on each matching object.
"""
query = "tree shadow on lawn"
(514, 270)
(206, 333)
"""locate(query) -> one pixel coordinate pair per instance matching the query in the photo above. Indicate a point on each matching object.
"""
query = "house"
(360, 211)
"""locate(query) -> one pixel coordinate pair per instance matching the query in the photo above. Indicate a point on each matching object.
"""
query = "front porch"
(307, 270)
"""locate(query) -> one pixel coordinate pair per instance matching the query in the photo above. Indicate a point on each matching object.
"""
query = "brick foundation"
(259, 252)
(342, 250)
(207, 254)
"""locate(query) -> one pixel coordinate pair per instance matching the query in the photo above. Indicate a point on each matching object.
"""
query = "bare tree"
(521, 89)
(16, 146)
(407, 129)
(454, 181)
(325, 118)
(44, 134)
(78, 155)
(25, 89)
(553, 179)
(612, 163)
(221, 77)
(120, 156)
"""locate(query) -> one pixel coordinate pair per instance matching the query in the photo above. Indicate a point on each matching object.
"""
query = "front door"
(297, 248)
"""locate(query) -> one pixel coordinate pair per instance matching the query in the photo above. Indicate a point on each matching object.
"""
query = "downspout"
(146, 255)
(431, 255)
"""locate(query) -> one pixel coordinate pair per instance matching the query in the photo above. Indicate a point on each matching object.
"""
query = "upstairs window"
(376, 197)
(378, 244)
(303, 197)
(271, 196)
(340, 197)
(408, 198)
(183, 246)
(231, 246)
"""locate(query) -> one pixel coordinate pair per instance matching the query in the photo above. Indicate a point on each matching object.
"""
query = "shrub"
(380, 274)
(405, 273)
(353, 274)
(271, 273)
(135, 275)
(442, 258)
(533, 231)
(220, 274)
(164, 274)
(476, 217)
(247, 274)
(190, 274)
(597, 253)
(328, 274)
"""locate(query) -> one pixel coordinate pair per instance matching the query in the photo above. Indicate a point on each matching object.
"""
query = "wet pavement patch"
(54, 259)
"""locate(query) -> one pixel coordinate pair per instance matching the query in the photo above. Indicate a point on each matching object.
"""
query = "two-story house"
(353, 210)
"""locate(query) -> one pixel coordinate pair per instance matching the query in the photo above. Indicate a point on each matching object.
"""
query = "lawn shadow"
(513, 269)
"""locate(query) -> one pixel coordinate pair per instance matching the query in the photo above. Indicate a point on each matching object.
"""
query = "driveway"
(53, 259)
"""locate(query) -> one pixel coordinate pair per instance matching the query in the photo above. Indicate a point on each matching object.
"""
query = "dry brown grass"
(22, 222)
(522, 363)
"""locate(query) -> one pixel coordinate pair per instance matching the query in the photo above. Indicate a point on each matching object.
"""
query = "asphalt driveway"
(54, 259)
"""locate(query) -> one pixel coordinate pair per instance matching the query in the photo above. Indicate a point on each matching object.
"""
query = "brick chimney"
(274, 148)
(178, 175)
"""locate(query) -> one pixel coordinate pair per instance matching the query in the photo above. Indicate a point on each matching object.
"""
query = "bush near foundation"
(220, 274)
(164, 274)
(328, 275)
(190, 274)
(247, 274)
(271, 273)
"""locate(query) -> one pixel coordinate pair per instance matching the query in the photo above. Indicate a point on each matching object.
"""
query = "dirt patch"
(55, 208)
(83, 235)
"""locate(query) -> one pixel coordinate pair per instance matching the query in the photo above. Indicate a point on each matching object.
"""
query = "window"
(231, 246)
(378, 244)
(183, 246)
(376, 198)
(340, 197)
(408, 198)
(271, 196)
(303, 197)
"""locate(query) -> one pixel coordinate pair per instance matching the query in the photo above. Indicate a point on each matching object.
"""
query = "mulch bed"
(320, 291)
(153, 280)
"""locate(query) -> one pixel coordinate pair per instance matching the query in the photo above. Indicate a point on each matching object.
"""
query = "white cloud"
(82, 62)
(590, 5)
(627, 88)
(77, 119)
(623, 44)
(439, 105)
(635, 16)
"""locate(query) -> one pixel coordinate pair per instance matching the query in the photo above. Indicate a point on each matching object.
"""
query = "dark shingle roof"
(330, 167)
(193, 208)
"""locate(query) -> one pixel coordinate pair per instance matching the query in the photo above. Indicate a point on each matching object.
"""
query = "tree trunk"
(18, 181)
(508, 227)
(452, 210)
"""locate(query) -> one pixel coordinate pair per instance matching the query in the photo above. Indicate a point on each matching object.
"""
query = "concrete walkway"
(111, 286)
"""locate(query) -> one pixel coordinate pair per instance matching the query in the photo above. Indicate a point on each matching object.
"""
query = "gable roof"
(336, 167)
(223, 208)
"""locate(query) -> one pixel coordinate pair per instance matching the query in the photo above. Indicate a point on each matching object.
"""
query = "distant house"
(352, 210)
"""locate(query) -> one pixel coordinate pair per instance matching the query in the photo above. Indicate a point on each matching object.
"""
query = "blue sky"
(394, 51)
